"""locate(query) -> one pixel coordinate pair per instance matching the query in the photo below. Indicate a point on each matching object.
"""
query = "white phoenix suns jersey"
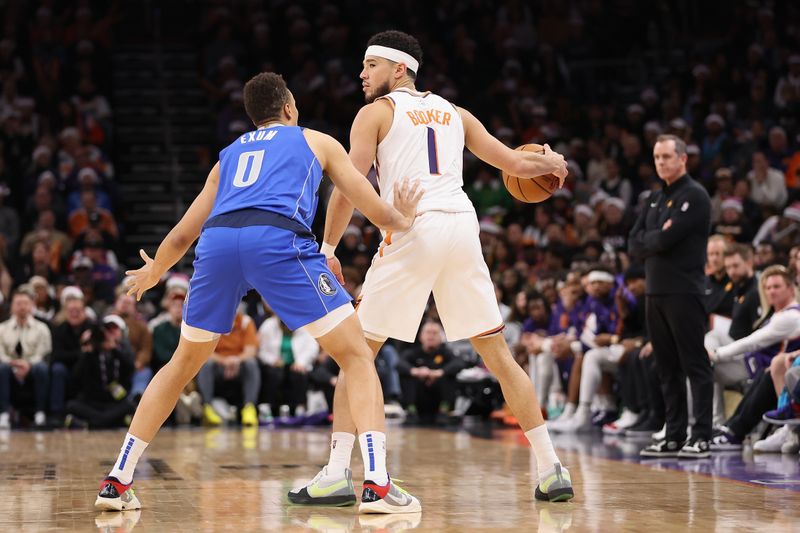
(425, 143)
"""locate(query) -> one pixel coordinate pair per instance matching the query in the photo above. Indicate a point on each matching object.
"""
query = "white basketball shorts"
(441, 253)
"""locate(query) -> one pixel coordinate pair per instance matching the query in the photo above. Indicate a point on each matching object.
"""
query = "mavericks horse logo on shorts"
(325, 285)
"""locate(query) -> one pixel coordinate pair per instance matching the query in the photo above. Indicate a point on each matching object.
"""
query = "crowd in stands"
(58, 234)
(76, 346)
(573, 302)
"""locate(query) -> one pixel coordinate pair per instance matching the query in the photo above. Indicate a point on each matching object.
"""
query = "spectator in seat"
(46, 197)
(744, 313)
(67, 349)
(752, 213)
(764, 353)
(781, 230)
(166, 336)
(168, 332)
(45, 230)
(286, 359)
(538, 319)
(768, 184)
(428, 371)
(732, 223)
(610, 351)
(552, 356)
(613, 226)
(765, 256)
(103, 376)
(25, 344)
(176, 287)
(41, 161)
(82, 278)
(718, 298)
(37, 264)
(324, 375)
(45, 303)
(104, 268)
(386, 365)
(79, 219)
(140, 338)
(599, 324)
(723, 177)
(233, 359)
(88, 180)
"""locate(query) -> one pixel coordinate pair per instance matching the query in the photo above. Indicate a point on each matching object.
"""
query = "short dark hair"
(745, 251)
(264, 97)
(399, 41)
(680, 144)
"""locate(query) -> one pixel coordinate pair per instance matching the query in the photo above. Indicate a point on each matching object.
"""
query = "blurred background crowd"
(598, 81)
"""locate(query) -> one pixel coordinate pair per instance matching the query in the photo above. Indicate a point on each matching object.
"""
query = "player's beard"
(380, 90)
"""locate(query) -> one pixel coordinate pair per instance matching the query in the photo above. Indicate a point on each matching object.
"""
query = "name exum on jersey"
(258, 135)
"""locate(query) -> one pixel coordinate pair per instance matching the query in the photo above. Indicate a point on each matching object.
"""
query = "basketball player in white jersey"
(405, 132)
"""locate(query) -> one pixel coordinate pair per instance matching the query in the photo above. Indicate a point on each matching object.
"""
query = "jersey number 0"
(252, 160)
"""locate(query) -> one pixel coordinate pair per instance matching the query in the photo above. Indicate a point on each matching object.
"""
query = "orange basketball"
(532, 190)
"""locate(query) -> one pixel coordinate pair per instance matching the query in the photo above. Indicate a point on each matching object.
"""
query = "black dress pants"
(676, 323)
(101, 414)
(758, 399)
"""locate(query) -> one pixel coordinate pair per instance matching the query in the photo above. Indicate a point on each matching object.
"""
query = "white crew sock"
(542, 448)
(373, 451)
(545, 364)
(583, 413)
(132, 449)
(341, 448)
(568, 411)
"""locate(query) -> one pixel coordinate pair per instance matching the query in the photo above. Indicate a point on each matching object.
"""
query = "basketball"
(532, 190)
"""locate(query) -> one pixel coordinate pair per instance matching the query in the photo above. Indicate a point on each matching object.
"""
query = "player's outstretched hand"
(406, 198)
(559, 163)
(336, 268)
(142, 278)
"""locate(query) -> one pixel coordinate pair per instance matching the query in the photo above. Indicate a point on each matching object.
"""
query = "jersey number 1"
(433, 152)
(253, 160)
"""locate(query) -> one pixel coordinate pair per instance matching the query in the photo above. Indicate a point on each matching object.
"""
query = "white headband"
(393, 54)
(599, 275)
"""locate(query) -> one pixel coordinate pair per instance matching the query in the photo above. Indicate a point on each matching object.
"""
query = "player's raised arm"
(336, 163)
(177, 241)
(515, 162)
(363, 147)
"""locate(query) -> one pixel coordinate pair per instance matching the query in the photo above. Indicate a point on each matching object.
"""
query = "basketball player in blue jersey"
(408, 133)
(253, 218)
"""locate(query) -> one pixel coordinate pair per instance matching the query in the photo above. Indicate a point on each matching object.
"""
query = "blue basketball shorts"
(286, 270)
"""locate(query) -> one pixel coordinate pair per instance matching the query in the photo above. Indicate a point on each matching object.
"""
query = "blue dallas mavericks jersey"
(258, 236)
(272, 169)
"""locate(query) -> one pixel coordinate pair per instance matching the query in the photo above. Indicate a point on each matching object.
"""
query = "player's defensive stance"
(253, 218)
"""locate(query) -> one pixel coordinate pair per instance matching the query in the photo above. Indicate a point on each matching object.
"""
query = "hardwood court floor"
(236, 480)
